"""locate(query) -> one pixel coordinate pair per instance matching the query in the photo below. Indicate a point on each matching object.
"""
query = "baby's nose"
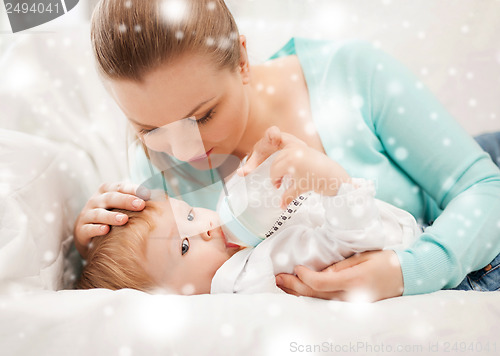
(207, 235)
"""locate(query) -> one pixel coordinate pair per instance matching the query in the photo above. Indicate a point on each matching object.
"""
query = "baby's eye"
(190, 216)
(185, 246)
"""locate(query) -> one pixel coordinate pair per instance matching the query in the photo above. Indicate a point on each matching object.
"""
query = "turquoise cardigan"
(379, 122)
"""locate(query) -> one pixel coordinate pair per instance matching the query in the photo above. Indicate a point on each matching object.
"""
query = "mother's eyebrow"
(184, 117)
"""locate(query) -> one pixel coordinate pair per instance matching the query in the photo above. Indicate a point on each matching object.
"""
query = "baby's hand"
(309, 170)
(273, 140)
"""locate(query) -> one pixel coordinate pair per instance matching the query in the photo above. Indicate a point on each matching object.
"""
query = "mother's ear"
(244, 65)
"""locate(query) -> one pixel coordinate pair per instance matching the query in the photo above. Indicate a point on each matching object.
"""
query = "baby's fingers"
(265, 147)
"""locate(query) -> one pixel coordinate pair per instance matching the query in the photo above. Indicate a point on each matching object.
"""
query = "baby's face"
(186, 248)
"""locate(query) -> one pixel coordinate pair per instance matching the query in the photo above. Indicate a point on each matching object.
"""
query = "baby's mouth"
(228, 244)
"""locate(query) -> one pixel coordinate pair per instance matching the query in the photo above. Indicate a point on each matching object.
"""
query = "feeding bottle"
(251, 205)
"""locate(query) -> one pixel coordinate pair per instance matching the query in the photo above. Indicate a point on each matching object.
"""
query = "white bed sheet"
(128, 322)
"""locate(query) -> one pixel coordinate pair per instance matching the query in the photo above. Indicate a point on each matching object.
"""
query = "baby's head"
(169, 245)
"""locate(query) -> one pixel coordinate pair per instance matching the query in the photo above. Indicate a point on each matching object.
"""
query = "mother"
(164, 61)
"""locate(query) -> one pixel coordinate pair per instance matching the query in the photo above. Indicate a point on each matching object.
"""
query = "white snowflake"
(210, 41)
(357, 102)
(108, 311)
(211, 5)
(174, 11)
(49, 217)
(224, 43)
(377, 44)
(401, 153)
(274, 310)
(227, 330)
(125, 351)
(398, 202)
(448, 183)
(179, 35)
(336, 153)
(357, 211)
(270, 90)
(282, 259)
(48, 256)
(188, 289)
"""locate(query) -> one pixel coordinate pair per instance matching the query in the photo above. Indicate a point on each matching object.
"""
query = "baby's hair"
(114, 260)
(131, 38)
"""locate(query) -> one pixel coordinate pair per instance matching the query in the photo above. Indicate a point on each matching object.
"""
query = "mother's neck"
(270, 95)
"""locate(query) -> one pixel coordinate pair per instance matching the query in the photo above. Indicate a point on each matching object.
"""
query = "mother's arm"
(447, 165)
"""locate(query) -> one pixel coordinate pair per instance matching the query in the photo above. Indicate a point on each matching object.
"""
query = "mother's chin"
(226, 163)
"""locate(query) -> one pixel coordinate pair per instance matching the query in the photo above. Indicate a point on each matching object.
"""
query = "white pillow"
(50, 89)
(43, 186)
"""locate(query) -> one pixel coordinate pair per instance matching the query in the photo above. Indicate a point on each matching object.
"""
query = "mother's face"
(188, 108)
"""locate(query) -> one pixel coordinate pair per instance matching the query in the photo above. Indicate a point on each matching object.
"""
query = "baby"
(173, 246)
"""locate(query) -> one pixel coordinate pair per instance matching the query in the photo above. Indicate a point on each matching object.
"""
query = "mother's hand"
(95, 219)
(368, 276)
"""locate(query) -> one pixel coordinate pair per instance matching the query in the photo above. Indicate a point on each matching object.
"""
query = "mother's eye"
(203, 120)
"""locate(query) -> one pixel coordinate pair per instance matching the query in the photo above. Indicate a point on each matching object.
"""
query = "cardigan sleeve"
(422, 138)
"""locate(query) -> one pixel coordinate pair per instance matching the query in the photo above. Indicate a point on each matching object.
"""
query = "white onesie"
(322, 231)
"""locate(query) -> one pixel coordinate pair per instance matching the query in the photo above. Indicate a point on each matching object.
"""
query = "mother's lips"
(201, 157)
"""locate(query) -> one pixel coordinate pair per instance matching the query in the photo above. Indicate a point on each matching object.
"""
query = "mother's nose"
(187, 150)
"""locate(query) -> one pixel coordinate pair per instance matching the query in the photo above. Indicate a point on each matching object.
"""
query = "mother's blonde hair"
(130, 38)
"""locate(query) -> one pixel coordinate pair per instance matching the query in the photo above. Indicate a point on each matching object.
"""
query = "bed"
(60, 137)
